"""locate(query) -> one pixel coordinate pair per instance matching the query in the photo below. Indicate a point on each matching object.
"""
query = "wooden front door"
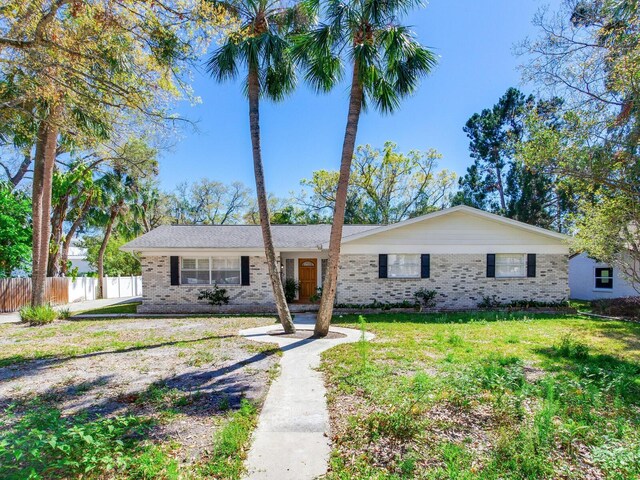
(307, 277)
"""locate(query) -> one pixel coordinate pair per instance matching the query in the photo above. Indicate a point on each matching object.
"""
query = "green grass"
(231, 444)
(43, 444)
(112, 309)
(486, 395)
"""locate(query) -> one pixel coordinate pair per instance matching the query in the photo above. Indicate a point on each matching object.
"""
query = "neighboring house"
(590, 279)
(78, 258)
(463, 253)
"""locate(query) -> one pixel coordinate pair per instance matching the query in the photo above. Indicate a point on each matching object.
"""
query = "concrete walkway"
(292, 440)
(14, 317)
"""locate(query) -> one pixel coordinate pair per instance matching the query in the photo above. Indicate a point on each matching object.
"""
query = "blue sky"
(474, 40)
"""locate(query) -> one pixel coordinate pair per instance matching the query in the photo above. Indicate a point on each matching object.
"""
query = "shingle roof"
(238, 236)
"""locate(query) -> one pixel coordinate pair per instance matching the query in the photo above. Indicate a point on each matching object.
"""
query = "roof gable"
(457, 225)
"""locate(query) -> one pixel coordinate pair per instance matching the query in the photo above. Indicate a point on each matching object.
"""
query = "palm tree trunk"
(331, 278)
(103, 247)
(44, 161)
(263, 207)
(64, 255)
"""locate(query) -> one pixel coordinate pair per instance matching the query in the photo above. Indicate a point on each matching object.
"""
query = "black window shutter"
(491, 265)
(382, 266)
(174, 263)
(244, 271)
(425, 265)
(531, 265)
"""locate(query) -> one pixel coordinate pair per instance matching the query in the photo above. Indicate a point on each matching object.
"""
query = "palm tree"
(387, 63)
(261, 47)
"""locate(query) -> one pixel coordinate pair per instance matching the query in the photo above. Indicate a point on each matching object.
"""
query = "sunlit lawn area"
(136, 398)
(490, 396)
(113, 309)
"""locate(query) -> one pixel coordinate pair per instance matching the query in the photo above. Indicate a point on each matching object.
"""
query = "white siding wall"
(457, 232)
(582, 281)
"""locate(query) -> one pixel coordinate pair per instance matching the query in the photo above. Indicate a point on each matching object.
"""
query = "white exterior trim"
(454, 249)
(214, 252)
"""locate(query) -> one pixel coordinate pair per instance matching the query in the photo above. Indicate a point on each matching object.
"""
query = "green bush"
(64, 313)
(426, 297)
(216, 296)
(291, 287)
(41, 315)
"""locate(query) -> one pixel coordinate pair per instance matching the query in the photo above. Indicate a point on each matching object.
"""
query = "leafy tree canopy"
(386, 186)
(498, 180)
(116, 262)
(589, 53)
(15, 230)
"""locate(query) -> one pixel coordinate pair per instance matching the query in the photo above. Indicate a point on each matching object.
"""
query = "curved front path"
(291, 440)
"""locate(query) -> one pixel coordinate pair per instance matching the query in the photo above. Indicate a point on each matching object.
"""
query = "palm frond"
(314, 50)
(222, 65)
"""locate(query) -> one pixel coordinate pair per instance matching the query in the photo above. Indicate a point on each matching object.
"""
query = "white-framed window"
(403, 266)
(210, 270)
(604, 277)
(511, 265)
(225, 270)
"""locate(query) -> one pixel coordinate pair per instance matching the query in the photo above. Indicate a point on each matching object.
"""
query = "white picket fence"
(86, 288)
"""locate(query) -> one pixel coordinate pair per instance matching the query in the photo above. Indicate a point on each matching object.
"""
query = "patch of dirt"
(533, 374)
(306, 334)
(195, 370)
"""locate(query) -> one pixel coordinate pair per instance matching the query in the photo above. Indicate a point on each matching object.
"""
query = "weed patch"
(491, 396)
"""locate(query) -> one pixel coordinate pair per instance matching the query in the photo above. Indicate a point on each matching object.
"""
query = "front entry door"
(307, 277)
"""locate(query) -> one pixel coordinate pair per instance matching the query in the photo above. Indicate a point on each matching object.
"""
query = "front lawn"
(121, 308)
(486, 395)
(134, 398)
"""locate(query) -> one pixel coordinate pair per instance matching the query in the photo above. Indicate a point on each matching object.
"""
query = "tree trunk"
(64, 254)
(503, 203)
(41, 203)
(331, 277)
(115, 210)
(263, 207)
(57, 221)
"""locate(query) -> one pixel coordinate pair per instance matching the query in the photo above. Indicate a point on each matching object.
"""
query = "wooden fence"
(15, 293)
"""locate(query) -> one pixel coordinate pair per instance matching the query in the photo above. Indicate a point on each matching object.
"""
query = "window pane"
(195, 264)
(403, 266)
(228, 277)
(225, 270)
(225, 263)
(189, 263)
(604, 277)
(510, 265)
(194, 277)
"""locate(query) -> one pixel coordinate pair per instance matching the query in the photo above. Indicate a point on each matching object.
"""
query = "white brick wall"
(460, 280)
